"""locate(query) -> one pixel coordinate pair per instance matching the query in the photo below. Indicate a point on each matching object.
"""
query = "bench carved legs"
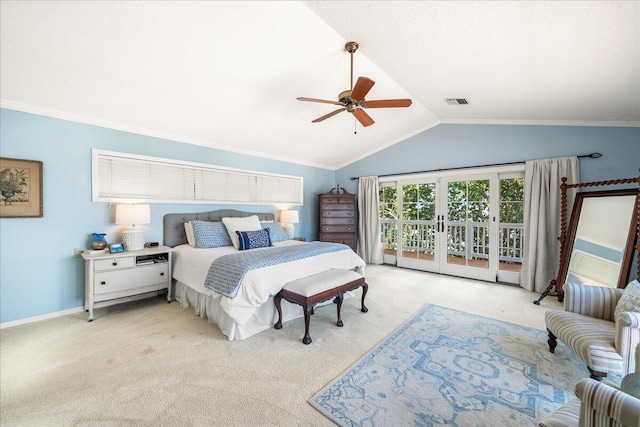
(339, 299)
(365, 288)
(277, 299)
(307, 319)
(308, 303)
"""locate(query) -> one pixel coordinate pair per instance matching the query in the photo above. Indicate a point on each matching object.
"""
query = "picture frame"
(116, 248)
(20, 188)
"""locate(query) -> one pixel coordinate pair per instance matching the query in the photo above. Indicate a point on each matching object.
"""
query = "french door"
(419, 234)
(468, 226)
(464, 225)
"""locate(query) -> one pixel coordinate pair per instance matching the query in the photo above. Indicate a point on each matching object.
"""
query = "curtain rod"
(590, 156)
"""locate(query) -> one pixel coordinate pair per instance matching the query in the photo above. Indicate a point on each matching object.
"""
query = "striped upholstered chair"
(600, 404)
(589, 326)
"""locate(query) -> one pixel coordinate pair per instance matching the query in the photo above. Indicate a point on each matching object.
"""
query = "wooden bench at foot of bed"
(318, 288)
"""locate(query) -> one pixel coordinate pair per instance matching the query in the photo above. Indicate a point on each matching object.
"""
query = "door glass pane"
(389, 218)
(511, 226)
(468, 223)
(418, 214)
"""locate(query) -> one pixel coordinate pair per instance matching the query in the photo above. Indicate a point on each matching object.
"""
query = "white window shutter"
(122, 177)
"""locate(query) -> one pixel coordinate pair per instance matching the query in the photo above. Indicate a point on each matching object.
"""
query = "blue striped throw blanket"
(226, 273)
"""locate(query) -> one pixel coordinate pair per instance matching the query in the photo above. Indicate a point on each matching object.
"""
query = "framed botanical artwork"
(20, 188)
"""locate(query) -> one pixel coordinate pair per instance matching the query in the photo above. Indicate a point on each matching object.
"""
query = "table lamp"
(133, 216)
(287, 219)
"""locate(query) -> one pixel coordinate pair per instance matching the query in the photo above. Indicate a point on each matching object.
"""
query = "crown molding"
(599, 123)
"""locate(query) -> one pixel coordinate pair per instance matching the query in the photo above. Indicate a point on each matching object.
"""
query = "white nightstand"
(112, 276)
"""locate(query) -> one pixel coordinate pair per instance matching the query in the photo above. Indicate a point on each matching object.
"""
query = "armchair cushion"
(566, 416)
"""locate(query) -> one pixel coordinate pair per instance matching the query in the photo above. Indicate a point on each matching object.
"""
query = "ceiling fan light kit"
(353, 100)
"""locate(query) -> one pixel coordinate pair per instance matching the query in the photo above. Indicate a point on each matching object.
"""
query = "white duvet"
(191, 265)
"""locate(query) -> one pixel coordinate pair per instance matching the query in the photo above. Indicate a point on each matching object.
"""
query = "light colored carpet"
(446, 367)
(152, 363)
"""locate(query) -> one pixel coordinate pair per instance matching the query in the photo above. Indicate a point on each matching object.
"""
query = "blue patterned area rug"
(444, 367)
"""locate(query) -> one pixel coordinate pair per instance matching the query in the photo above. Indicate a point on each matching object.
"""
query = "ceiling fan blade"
(362, 116)
(362, 88)
(326, 116)
(324, 101)
(387, 103)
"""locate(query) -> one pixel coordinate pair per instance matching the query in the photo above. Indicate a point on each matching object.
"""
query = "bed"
(252, 309)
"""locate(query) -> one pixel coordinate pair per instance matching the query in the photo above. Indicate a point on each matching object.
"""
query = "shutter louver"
(126, 177)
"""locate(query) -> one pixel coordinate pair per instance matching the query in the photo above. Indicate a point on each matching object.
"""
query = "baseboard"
(47, 316)
(3, 325)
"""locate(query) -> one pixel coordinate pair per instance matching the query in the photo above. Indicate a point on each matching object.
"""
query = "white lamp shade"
(133, 214)
(289, 217)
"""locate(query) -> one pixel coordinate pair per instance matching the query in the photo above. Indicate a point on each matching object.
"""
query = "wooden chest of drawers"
(338, 217)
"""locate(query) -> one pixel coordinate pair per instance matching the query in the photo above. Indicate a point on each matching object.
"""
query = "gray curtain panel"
(542, 218)
(369, 240)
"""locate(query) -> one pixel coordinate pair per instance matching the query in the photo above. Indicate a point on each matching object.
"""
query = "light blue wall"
(454, 146)
(38, 273)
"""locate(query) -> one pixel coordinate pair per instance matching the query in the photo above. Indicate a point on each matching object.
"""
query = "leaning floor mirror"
(599, 243)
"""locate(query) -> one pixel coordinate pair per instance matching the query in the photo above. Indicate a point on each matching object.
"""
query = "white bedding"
(191, 265)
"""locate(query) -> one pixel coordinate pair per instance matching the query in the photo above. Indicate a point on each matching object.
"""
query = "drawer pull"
(114, 263)
(162, 274)
(103, 283)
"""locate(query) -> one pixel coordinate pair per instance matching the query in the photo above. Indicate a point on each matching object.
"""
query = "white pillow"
(249, 223)
(191, 238)
(630, 300)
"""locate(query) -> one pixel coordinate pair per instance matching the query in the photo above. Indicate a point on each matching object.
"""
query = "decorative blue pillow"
(276, 232)
(210, 234)
(253, 239)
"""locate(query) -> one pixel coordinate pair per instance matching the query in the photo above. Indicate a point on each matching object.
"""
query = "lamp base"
(133, 239)
(288, 230)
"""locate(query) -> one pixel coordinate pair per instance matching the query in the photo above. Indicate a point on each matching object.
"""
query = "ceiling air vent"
(456, 101)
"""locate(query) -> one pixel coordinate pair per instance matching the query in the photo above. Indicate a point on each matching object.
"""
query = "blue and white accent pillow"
(210, 234)
(275, 231)
(630, 300)
(253, 239)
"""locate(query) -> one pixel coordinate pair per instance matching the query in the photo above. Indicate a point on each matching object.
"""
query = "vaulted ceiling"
(227, 74)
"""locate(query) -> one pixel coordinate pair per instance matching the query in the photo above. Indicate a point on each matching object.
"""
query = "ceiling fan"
(353, 100)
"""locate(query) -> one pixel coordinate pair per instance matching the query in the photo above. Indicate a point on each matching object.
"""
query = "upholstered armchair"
(597, 404)
(596, 328)
(601, 404)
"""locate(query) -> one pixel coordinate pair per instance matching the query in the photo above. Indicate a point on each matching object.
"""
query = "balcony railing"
(464, 239)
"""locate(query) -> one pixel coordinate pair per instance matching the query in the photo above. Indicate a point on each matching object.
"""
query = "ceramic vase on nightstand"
(98, 242)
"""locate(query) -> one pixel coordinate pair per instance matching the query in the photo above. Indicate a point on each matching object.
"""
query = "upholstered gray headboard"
(174, 235)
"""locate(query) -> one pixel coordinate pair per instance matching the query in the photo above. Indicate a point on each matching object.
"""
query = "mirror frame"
(566, 245)
(630, 246)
